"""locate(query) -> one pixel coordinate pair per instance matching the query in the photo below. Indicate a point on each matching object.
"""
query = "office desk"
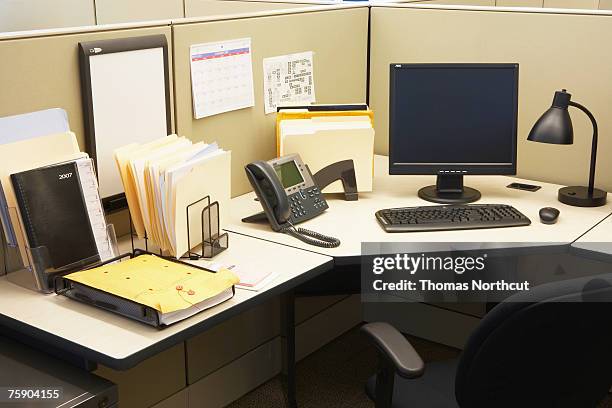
(98, 336)
(596, 243)
(353, 222)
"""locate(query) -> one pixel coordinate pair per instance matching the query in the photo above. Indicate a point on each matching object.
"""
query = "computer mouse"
(549, 215)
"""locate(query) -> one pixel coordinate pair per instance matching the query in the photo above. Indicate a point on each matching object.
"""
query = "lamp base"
(579, 196)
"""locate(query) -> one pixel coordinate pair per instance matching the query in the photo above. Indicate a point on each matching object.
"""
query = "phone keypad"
(306, 203)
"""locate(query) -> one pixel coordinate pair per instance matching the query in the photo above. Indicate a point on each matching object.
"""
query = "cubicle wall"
(43, 72)
(22, 15)
(564, 4)
(123, 11)
(207, 8)
(338, 39)
(554, 51)
(18, 15)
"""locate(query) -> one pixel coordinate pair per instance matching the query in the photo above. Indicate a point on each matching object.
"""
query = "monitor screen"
(289, 174)
(455, 117)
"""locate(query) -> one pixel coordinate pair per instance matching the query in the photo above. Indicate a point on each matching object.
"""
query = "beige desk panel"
(119, 337)
(463, 2)
(122, 11)
(578, 59)
(572, 4)
(353, 222)
(19, 15)
(338, 39)
(519, 3)
(206, 8)
(44, 73)
(605, 4)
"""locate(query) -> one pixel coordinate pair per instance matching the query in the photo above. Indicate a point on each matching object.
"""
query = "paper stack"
(325, 136)
(163, 178)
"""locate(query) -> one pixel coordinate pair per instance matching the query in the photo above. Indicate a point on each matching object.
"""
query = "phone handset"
(290, 201)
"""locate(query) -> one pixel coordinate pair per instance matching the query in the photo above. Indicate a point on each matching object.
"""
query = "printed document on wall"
(288, 80)
(221, 77)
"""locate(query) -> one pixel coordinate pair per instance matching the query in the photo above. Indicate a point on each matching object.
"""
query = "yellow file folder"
(150, 280)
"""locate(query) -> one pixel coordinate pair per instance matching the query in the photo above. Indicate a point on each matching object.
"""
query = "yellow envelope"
(163, 285)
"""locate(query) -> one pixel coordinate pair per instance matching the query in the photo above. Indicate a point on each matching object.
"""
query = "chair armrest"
(395, 348)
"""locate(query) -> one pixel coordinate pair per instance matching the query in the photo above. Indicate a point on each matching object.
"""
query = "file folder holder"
(39, 274)
(213, 241)
(113, 303)
(345, 172)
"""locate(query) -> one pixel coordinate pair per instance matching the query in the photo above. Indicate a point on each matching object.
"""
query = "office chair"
(549, 347)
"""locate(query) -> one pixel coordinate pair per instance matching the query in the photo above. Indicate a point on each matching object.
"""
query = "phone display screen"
(289, 174)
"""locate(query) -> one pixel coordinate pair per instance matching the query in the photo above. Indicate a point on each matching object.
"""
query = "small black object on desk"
(549, 215)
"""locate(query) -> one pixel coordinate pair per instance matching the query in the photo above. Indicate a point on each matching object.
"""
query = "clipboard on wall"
(125, 89)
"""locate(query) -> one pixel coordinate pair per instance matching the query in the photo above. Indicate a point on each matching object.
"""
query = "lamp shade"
(555, 125)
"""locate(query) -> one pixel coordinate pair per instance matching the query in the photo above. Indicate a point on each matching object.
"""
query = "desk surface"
(120, 343)
(353, 222)
(597, 242)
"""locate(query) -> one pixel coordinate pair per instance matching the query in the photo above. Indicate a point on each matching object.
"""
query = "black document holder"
(37, 272)
(213, 241)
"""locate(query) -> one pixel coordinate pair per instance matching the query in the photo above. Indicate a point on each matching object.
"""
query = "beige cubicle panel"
(463, 2)
(43, 72)
(206, 8)
(20, 15)
(338, 38)
(122, 11)
(577, 59)
(572, 4)
(605, 4)
(519, 3)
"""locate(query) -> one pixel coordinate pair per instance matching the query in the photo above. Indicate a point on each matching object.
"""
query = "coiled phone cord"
(311, 237)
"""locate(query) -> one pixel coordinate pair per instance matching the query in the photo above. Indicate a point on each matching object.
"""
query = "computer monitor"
(452, 120)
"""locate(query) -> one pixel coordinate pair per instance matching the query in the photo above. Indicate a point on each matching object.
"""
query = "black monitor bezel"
(458, 169)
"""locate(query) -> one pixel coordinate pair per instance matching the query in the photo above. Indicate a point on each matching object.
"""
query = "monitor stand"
(449, 189)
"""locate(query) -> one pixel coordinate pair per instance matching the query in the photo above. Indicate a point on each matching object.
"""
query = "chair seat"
(435, 389)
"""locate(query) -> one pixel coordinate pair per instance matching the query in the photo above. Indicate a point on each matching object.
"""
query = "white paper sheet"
(288, 80)
(221, 77)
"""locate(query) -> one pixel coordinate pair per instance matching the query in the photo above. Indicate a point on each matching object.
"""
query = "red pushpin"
(191, 292)
(179, 287)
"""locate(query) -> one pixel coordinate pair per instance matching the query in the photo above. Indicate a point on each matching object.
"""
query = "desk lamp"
(555, 126)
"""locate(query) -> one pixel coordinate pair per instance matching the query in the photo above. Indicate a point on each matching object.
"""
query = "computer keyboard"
(450, 217)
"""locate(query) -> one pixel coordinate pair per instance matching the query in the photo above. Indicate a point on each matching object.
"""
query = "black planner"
(54, 213)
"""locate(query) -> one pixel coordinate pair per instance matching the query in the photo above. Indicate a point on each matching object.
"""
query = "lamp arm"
(593, 146)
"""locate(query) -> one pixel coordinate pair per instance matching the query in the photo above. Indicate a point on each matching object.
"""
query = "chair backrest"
(549, 347)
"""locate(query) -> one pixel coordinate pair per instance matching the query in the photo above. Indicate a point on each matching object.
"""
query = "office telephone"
(288, 194)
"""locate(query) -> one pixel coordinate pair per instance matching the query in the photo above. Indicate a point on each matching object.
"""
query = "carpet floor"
(334, 376)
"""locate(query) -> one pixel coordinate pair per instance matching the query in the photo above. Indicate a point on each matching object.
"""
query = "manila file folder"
(210, 178)
(325, 147)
